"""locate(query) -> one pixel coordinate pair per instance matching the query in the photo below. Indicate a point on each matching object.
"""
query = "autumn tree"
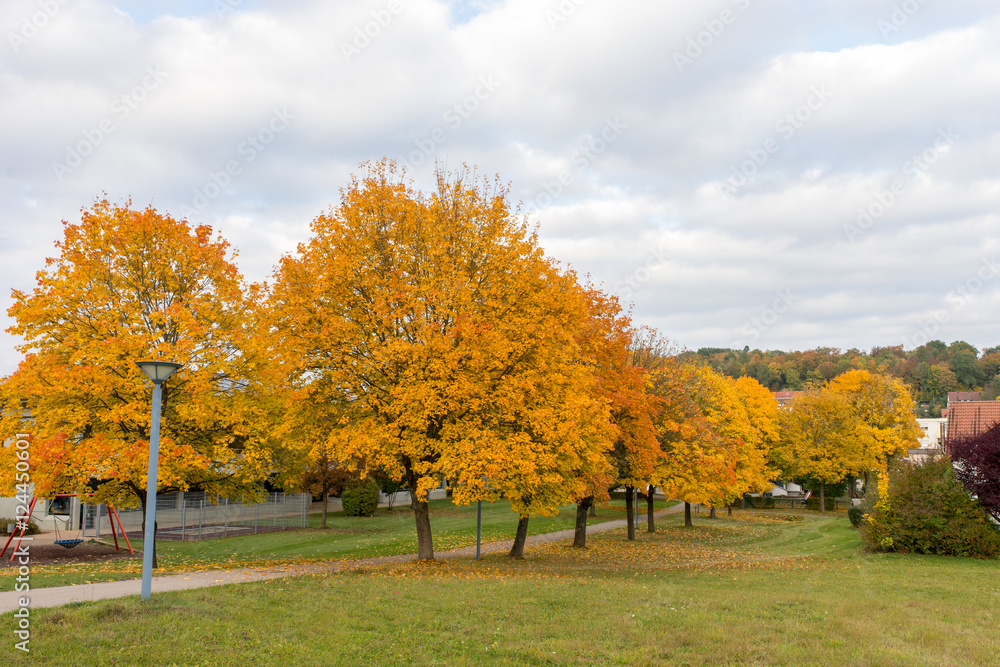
(819, 439)
(741, 420)
(759, 434)
(126, 285)
(696, 464)
(622, 385)
(886, 427)
(449, 338)
(324, 477)
(651, 352)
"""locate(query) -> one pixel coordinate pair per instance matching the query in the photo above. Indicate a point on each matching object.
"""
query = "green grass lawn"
(758, 589)
(387, 533)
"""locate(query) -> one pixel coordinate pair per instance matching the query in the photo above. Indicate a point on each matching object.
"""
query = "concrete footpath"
(53, 597)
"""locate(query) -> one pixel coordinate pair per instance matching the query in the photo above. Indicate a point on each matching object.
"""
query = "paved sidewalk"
(53, 597)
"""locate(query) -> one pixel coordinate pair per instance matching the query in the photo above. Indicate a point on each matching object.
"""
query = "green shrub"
(760, 503)
(33, 528)
(813, 504)
(360, 497)
(830, 489)
(856, 515)
(926, 510)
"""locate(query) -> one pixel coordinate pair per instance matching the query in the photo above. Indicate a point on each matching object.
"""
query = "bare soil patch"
(52, 554)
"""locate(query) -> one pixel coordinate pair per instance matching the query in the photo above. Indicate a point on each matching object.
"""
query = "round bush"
(856, 515)
(926, 510)
(360, 498)
(33, 528)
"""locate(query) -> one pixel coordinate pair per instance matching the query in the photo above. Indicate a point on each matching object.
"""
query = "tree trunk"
(730, 508)
(422, 514)
(650, 521)
(580, 533)
(743, 502)
(517, 551)
(629, 512)
(822, 496)
(711, 514)
(593, 509)
(687, 515)
(326, 498)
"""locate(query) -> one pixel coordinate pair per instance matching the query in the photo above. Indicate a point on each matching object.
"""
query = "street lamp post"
(479, 526)
(157, 371)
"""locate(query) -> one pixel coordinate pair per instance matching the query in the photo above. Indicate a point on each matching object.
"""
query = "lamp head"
(158, 371)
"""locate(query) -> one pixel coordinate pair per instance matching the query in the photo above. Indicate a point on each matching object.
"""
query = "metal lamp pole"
(157, 371)
(479, 526)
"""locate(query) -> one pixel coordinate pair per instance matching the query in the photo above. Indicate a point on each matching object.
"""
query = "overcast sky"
(771, 173)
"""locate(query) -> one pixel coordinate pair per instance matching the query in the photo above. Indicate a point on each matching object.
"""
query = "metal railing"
(192, 516)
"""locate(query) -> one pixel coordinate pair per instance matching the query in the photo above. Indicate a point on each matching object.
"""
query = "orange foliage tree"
(716, 434)
(621, 383)
(128, 285)
(449, 340)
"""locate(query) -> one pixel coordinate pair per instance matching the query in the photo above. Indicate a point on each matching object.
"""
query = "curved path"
(52, 597)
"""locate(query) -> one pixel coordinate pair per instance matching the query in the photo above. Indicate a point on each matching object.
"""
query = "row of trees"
(929, 371)
(415, 337)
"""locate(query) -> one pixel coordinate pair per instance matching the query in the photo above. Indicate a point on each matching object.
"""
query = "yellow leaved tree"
(883, 406)
(447, 340)
(819, 439)
(697, 463)
(128, 285)
(762, 432)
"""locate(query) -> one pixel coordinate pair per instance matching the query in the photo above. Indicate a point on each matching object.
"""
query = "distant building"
(785, 398)
(931, 439)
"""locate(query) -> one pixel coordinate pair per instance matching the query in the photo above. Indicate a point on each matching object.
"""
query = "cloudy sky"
(773, 173)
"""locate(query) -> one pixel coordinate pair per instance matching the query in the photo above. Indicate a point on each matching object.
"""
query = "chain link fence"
(193, 516)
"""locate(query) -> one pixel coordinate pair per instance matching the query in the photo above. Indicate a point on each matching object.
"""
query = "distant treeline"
(930, 371)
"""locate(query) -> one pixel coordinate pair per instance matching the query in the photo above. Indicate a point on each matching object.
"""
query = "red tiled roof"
(956, 396)
(967, 418)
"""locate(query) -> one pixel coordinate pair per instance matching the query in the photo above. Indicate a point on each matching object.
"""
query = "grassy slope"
(748, 591)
